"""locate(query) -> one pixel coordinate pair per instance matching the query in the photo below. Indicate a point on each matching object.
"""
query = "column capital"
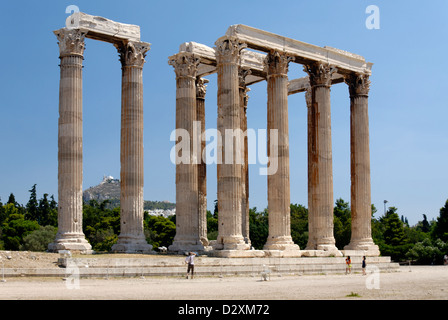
(185, 64)
(201, 87)
(358, 84)
(320, 73)
(71, 41)
(242, 74)
(132, 53)
(276, 63)
(228, 50)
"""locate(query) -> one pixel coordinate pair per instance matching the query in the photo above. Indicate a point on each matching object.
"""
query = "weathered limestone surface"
(103, 29)
(320, 167)
(132, 53)
(230, 168)
(303, 52)
(188, 234)
(234, 56)
(361, 236)
(202, 166)
(243, 90)
(279, 237)
(132, 238)
(70, 235)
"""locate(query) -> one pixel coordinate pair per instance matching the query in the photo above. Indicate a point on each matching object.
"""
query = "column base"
(322, 248)
(183, 247)
(367, 248)
(132, 244)
(231, 243)
(237, 253)
(280, 243)
(73, 242)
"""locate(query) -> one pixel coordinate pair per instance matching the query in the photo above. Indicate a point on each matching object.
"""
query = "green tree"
(39, 239)
(299, 225)
(15, 228)
(440, 230)
(427, 252)
(342, 223)
(160, 230)
(48, 215)
(101, 226)
(212, 226)
(258, 228)
(395, 243)
(32, 205)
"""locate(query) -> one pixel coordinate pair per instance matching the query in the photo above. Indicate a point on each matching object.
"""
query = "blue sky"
(407, 105)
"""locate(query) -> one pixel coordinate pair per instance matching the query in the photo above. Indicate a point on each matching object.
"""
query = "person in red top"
(348, 267)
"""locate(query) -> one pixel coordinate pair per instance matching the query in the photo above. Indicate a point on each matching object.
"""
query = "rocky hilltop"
(109, 189)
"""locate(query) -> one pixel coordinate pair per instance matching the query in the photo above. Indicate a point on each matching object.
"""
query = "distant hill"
(109, 189)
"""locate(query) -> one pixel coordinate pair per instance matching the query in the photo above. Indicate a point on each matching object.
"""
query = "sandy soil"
(416, 282)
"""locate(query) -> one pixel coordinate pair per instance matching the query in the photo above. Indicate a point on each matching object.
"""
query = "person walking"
(348, 265)
(190, 261)
(364, 265)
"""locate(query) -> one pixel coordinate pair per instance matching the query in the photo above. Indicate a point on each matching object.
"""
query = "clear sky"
(407, 106)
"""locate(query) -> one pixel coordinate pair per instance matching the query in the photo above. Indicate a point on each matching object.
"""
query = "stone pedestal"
(230, 157)
(361, 236)
(70, 235)
(279, 237)
(320, 168)
(132, 238)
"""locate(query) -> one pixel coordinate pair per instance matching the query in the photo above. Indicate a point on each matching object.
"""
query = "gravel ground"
(411, 283)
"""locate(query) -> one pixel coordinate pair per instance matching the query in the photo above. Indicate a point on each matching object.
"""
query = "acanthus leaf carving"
(358, 84)
(133, 53)
(185, 64)
(201, 87)
(320, 73)
(71, 41)
(228, 50)
(277, 62)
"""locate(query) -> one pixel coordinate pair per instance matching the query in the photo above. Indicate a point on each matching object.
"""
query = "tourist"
(364, 265)
(348, 267)
(445, 260)
(190, 261)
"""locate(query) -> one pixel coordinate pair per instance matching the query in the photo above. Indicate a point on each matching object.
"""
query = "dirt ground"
(411, 283)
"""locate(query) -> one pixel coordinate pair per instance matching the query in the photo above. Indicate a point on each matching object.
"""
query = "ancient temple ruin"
(132, 51)
(244, 56)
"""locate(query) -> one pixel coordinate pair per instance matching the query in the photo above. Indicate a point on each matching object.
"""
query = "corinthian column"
(188, 236)
(320, 167)
(132, 238)
(229, 125)
(244, 97)
(361, 210)
(201, 90)
(278, 182)
(70, 235)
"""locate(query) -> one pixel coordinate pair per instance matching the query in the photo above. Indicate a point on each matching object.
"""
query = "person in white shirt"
(190, 261)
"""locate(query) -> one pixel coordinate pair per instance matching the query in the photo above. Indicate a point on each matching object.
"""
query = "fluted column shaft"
(187, 194)
(320, 167)
(245, 166)
(132, 238)
(202, 166)
(70, 235)
(361, 210)
(230, 165)
(279, 237)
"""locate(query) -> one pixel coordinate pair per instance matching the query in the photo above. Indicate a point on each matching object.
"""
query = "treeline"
(33, 226)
